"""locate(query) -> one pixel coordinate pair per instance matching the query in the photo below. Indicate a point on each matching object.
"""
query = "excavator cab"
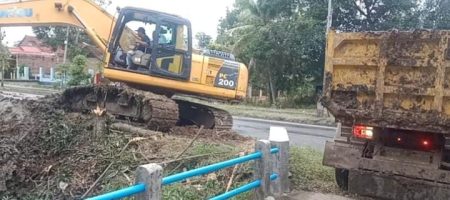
(168, 52)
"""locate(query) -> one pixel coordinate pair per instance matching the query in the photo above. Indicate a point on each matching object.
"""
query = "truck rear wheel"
(341, 176)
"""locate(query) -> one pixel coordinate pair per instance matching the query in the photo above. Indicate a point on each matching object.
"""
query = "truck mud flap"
(378, 185)
(340, 155)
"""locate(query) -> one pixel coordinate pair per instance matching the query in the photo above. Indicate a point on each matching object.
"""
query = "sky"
(203, 14)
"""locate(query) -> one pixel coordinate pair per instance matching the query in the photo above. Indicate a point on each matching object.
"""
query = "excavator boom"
(65, 12)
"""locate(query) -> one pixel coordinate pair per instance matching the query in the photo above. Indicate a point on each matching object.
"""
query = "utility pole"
(330, 15)
(320, 108)
(3, 71)
(66, 42)
(3, 55)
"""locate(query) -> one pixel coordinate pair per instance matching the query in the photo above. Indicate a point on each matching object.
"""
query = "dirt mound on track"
(47, 152)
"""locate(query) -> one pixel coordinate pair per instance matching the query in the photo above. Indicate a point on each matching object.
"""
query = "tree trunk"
(251, 64)
(134, 129)
(77, 36)
(249, 90)
(3, 71)
(272, 89)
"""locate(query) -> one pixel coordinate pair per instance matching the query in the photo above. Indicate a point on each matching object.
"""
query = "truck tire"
(341, 176)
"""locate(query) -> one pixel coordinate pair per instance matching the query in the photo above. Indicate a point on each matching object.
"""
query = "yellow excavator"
(151, 53)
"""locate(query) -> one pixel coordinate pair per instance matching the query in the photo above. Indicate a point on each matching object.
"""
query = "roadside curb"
(285, 123)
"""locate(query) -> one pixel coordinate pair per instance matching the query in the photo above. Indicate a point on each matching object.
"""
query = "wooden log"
(134, 129)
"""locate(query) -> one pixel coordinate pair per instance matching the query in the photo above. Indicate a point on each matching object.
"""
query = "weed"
(307, 170)
(201, 187)
(194, 192)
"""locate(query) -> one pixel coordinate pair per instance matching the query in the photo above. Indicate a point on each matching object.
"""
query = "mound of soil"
(50, 153)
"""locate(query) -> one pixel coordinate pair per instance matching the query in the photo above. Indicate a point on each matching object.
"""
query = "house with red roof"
(35, 54)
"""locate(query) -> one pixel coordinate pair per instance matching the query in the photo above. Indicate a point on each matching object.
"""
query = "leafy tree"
(5, 55)
(56, 35)
(282, 47)
(375, 15)
(203, 39)
(22, 69)
(283, 42)
(218, 47)
(77, 71)
(436, 14)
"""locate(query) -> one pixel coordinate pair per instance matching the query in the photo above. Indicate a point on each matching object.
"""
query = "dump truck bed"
(389, 79)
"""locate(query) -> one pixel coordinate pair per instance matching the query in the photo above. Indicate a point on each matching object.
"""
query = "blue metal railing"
(136, 189)
(242, 189)
(122, 193)
(274, 150)
(210, 168)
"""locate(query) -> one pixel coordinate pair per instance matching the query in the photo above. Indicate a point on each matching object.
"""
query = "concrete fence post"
(263, 168)
(26, 73)
(41, 74)
(52, 73)
(279, 138)
(151, 175)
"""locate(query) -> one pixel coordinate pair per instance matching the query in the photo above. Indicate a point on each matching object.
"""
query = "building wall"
(34, 54)
(34, 62)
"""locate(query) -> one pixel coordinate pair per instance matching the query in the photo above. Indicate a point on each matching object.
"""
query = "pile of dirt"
(50, 153)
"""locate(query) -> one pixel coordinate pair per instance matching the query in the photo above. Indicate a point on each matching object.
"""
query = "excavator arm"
(85, 14)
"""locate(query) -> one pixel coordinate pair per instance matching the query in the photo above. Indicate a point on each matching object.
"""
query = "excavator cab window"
(135, 46)
(169, 51)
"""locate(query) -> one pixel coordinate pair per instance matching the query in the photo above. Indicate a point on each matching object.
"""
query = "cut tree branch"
(132, 129)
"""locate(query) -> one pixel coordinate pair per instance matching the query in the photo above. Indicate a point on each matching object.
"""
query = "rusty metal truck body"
(390, 94)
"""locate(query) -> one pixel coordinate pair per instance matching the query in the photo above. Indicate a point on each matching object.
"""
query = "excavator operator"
(142, 46)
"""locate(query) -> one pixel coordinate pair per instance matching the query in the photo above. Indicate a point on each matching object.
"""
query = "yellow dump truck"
(390, 94)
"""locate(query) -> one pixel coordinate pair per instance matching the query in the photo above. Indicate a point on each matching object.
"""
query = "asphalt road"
(299, 134)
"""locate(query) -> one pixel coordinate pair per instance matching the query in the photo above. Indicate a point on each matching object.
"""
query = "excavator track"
(155, 111)
(223, 119)
(199, 114)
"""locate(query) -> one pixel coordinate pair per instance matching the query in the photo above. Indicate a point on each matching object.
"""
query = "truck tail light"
(410, 139)
(425, 143)
(364, 132)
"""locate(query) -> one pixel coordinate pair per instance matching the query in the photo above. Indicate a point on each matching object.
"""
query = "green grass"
(200, 187)
(204, 191)
(308, 173)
